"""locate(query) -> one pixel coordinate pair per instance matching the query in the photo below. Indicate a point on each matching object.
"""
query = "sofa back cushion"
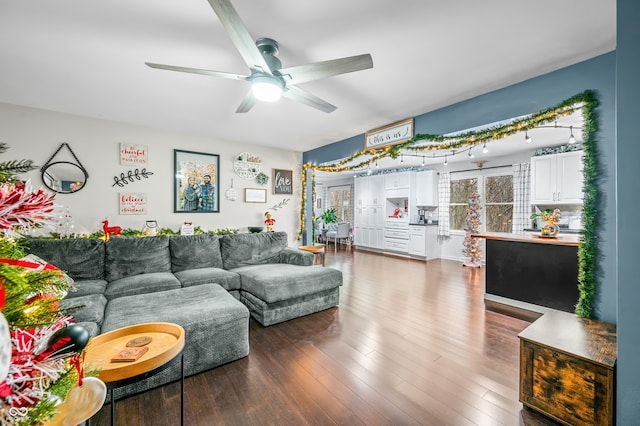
(80, 258)
(252, 249)
(129, 256)
(194, 252)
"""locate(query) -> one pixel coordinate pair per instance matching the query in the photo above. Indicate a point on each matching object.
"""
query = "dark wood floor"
(411, 343)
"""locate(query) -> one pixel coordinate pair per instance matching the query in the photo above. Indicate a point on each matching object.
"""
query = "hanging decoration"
(585, 101)
(471, 245)
(131, 176)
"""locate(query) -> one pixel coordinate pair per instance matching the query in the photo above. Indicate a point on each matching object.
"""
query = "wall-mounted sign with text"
(282, 181)
(133, 203)
(392, 134)
(133, 155)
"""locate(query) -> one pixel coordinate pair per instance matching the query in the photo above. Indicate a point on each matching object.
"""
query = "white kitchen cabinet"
(369, 211)
(427, 188)
(397, 180)
(433, 247)
(557, 178)
(417, 240)
(361, 188)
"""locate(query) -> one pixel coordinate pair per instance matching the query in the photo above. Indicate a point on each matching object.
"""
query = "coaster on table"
(138, 341)
(130, 354)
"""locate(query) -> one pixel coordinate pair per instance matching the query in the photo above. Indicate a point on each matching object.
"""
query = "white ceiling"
(87, 58)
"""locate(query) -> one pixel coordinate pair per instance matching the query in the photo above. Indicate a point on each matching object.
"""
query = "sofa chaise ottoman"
(216, 327)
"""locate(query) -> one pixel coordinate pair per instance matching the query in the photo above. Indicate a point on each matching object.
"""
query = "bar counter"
(528, 237)
(526, 271)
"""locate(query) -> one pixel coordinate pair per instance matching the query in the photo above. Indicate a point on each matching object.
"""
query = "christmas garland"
(585, 101)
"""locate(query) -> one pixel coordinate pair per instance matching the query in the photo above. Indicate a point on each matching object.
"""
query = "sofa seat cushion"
(80, 258)
(252, 249)
(216, 327)
(128, 256)
(85, 287)
(88, 308)
(194, 252)
(228, 280)
(141, 284)
(278, 282)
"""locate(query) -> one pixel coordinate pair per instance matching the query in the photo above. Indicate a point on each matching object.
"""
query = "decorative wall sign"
(247, 165)
(282, 181)
(133, 155)
(231, 194)
(133, 203)
(255, 195)
(126, 179)
(389, 135)
(196, 186)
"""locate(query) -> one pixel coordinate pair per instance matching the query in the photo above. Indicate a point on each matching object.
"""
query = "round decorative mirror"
(64, 177)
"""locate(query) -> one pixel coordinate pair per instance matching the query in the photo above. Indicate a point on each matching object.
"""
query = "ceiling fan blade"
(297, 94)
(303, 73)
(239, 35)
(247, 103)
(229, 75)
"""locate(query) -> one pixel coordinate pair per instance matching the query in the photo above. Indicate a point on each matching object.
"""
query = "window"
(460, 191)
(498, 203)
(496, 198)
(340, 200)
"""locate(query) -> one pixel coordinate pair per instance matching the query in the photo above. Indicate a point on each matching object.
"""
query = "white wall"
(36, 134)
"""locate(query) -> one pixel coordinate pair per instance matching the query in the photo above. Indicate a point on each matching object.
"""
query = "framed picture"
(282, 181)
(196, 185)
(255, 195)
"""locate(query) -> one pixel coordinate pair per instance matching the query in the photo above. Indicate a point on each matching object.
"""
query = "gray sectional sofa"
(207, 284)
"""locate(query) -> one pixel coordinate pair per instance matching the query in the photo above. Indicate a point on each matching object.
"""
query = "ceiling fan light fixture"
(266, 88)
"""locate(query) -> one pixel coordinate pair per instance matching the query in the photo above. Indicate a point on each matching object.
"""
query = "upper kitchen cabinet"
(427, 188)
(557, 179)
(397, 180)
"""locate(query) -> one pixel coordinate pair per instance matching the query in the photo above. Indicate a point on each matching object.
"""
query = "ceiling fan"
(268, 79)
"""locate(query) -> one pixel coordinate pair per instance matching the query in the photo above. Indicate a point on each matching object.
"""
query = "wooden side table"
(316, 250)
(567, 368)
(167, 344)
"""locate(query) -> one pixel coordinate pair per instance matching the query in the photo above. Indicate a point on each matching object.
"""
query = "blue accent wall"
(628, 198)
(527, 97)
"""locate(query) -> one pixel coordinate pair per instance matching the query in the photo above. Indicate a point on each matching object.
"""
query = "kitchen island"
(528, 273)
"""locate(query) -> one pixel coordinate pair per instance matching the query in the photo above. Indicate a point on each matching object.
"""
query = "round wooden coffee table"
(167, 343)
(315, 250)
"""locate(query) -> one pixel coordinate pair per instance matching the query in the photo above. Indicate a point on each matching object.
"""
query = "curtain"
(444, 195)
(521, 197)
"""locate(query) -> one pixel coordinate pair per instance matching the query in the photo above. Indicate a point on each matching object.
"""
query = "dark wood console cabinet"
(567, 368)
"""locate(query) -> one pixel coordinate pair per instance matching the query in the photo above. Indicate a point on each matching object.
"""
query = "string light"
(445, 160)
(470, 154)
(485, 149)
(572, 138)
(527, 138)
(423, 161)
(402, 159)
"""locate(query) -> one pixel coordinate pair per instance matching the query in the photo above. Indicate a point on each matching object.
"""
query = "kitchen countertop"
(524, 237)
(561, 230)
(423, 224)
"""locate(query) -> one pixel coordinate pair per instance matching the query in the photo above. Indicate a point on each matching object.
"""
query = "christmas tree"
(38, 356)
(471, 245)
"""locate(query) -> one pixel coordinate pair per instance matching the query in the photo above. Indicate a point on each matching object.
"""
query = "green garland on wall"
(587, 252)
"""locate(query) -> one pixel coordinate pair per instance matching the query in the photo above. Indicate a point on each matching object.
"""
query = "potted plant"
(329, 216)
(550, 229)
